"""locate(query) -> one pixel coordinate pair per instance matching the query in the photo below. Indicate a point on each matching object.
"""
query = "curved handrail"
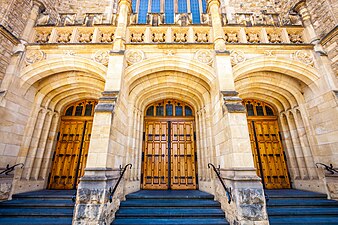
(118, 181)
(328, 168)
(9, 169)
(227, 190)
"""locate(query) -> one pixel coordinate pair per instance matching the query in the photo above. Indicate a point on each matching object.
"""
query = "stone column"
(93, 198)
(120, 32)
(233, 152)
(37, 8)
(218, 33)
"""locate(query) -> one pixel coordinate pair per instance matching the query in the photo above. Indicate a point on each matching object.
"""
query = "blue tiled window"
(182, 6)
(133, 6)
(143, 10)
(169, 11)
(195, 11)
(204, 6)
(155, 6)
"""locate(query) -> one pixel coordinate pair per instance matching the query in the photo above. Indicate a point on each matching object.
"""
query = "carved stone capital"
(126, 2)
(39, 4)
(107, 102)
(232, 102)
(211, 3)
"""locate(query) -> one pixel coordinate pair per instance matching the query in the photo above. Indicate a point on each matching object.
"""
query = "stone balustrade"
(170, 34)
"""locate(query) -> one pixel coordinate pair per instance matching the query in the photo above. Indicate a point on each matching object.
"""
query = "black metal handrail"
(10, 169)
(118, 181)
(227, 190)
(328, 168)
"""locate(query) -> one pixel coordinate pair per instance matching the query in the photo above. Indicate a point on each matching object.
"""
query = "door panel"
(169, 151)
(71, 154)
(155, 174)
(182, 156)
(268, 153)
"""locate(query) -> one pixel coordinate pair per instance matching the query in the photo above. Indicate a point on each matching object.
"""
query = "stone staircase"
(40, 207)
(170, 207)
(300, 207)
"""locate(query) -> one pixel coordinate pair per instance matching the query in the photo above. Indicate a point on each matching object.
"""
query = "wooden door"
(70, 156)
(183, 175)
(266, 145)
(168, 156)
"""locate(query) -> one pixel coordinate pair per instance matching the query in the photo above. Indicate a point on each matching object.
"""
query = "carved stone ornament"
(237, 57)
(169, 52)
(42, 37)
(205, 56)
(134, 56)
(303, 57)
(101, 56)
(69, 52)
(33, 56)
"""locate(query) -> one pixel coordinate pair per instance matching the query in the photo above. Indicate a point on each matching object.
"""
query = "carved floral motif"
(253, 37)
(33, 56)
(64, 37)
(158, 37)
(303, 57)
(101, 56)
(296, 38)
(85, 37)
(42, 37)
(204, 56)
(137, 37)
(107, 37)
(201, 37)
(180, 37)
(232, 37)
(134, 56)
(237, 57)
(274, 38)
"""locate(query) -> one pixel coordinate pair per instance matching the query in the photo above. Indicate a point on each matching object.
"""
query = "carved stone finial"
(212, 2)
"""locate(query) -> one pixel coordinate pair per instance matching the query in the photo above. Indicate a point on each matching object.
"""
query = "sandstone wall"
(13, 17)
(324, 16)
(81, 7)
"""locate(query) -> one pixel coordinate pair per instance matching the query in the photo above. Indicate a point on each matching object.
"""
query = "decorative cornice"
(333, 33)
(8, 35)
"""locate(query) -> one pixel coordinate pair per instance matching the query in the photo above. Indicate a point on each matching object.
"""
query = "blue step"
(171, 221)
(300, 207)
(39, 207)
(170, 207)
(170, 203)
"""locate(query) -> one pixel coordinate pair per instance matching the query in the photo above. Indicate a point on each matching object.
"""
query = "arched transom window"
(258, 108)
(81, 108)
(169, 107)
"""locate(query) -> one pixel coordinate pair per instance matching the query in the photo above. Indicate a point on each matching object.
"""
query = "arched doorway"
(267, 149)
(169, 152)
(70, 156)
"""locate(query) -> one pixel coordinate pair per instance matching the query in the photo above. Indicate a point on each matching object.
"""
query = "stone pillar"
(92, 200)
(218, 33)
(233, 152)
(121, 28)
(37, 8)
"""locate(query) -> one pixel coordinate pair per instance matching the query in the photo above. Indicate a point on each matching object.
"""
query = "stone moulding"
(107, 102)
(8, 35)
(232, 102)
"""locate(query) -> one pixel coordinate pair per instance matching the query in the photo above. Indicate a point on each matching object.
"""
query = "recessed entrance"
(266, 145)
(169, 153)
(70, 156)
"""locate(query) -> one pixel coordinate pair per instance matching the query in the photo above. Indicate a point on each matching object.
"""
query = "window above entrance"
(258, 108)
(81, 108)
(169, 107)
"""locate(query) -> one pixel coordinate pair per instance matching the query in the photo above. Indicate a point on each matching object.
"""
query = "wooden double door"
(71, 152)
(267, 149)
(169, 157)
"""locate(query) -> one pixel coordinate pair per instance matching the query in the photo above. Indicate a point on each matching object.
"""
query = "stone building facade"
(89, 86)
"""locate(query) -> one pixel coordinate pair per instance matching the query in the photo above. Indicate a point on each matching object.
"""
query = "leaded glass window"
(142, 12)
(182, 6)
(195, 11)
(156, 6)
(169, 11)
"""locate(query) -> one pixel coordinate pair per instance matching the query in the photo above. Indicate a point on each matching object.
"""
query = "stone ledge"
(7, 34)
